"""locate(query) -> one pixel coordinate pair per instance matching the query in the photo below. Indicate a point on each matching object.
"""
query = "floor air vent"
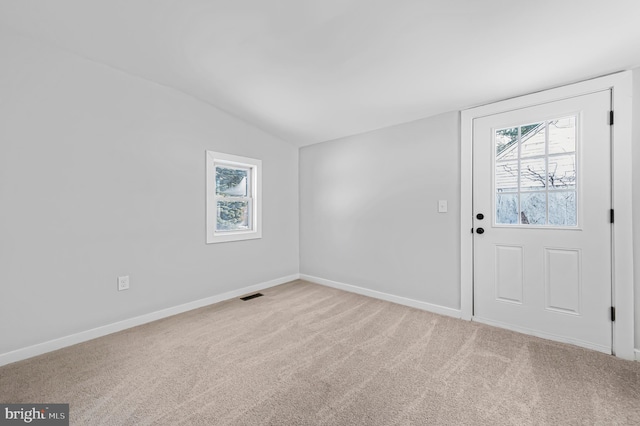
(253, 296)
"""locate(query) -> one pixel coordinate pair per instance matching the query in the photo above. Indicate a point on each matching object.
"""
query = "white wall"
(349, 195)
(103, 174)
(636, 200)
(369, 210)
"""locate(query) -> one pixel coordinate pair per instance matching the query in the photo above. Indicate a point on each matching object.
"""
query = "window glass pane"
(562, 208)
(533, 208)
(562, 135)
(507, 176)
(506, 208)
(532, 174)
(506, 147)
(231, 182)
(233, 216)
(536, 173)
(532, 140)
(562, 172)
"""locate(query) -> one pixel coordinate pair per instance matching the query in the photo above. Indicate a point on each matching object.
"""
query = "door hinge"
(613, 313)
(611, 118)
(611, 215)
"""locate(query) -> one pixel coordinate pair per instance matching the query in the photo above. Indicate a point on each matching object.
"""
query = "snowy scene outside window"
(536, 173)
(233, 198)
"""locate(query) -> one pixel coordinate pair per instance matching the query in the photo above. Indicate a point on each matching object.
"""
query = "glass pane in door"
(536, 173)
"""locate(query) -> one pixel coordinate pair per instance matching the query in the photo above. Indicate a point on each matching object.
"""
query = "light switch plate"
(123, 283)
(442, 206)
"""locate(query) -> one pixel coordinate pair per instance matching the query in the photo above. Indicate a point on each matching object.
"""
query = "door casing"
(622, 253)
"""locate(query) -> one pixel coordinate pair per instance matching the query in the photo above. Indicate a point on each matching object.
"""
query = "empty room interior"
(319, 212)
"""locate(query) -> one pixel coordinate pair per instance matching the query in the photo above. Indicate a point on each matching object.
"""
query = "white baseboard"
(442, 310)
(62, 342)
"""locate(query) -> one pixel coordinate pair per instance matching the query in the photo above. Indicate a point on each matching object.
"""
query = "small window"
(536, 174)
(233, 198)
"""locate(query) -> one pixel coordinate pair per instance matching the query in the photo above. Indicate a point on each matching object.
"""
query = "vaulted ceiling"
(315, 70)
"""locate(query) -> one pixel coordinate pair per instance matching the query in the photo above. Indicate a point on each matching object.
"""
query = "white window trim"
(216, 158)
(622, 282)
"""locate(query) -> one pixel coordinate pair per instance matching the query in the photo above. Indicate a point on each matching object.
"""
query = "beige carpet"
(304, 354)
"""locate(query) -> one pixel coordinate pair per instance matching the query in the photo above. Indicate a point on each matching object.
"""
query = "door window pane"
(536, 173)
(562, 135)
(533, 174)
(562, 172)
(506, 143)
(562, 208)
(532, 140)
(507, 176)
(533, 208)
(507, 208)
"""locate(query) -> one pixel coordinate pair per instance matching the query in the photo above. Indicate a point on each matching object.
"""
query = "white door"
(541, 201)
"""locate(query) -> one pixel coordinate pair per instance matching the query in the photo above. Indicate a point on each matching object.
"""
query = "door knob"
(479, 216)
(480, 231)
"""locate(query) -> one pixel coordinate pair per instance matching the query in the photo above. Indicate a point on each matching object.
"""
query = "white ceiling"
(310, 71)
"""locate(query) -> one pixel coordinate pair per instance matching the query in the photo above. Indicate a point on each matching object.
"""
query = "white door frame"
(622, 248)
